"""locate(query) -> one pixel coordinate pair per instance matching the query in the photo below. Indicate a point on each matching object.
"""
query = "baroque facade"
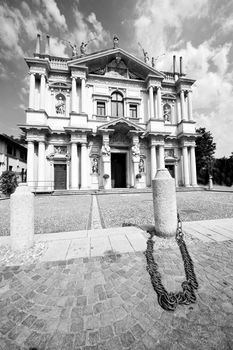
(106, 119)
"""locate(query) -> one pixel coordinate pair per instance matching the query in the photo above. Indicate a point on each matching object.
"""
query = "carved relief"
(135, 150)
(141, 167)
(118, 137)
(105, 150)
(94, 165)
(60, 149)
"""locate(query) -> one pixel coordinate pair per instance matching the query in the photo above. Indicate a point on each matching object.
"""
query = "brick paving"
(107, 302)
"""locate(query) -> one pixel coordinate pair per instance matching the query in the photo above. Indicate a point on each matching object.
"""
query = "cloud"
(53, 14)
(9, 37)
(160, 24)
(3, 72)
(57, 48)
(89, 30)
(16, 22)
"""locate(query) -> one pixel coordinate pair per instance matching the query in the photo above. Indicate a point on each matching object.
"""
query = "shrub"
(8, 182)
(105, 176)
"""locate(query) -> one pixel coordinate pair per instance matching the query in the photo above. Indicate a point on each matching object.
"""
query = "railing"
(169, 76)
(58, 64)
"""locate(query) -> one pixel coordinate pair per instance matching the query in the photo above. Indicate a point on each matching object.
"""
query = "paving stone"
(81, 300)
(93, 337)
(127, 339)
(106, 332)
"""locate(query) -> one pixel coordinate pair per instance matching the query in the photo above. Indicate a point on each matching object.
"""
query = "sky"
(200, 31)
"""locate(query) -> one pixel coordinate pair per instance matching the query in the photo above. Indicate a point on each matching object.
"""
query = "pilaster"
(32, 90)
(30, 164)
(74, 166)
(84, 165)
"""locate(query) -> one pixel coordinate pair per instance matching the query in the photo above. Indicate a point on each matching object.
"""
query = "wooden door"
(60, 176)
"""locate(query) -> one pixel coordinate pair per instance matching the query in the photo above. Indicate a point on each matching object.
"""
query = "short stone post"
(22, 218)
(164, 200)
(210, 182)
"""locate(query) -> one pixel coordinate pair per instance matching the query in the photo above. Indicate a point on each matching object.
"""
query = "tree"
(205, 149)
(8, 182)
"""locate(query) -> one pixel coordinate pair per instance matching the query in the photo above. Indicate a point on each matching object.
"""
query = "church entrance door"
(171, 169)
(118, 170)
(59, 176)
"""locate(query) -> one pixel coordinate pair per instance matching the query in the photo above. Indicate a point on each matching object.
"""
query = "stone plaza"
(89, 289)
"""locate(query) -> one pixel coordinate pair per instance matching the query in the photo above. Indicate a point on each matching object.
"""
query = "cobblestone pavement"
(108, 302)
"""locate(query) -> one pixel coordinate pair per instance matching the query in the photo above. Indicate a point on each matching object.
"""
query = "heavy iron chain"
(170, 300)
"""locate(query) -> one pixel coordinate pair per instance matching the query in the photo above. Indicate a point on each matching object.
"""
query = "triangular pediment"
(115, 63)
(121, 123)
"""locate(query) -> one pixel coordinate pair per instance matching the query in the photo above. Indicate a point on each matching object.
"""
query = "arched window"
(117, 105)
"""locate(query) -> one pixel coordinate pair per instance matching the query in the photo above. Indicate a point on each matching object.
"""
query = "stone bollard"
(164, 200)
(22, 218)
(211, 183)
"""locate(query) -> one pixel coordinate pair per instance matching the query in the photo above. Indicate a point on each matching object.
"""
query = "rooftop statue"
(74, 49)
(83, 48)
(115, 41)
(145, 54)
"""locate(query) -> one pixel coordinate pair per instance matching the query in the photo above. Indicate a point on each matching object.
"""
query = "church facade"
(106, 120)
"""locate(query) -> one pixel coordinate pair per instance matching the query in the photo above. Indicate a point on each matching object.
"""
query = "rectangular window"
(9, 150)
(101, 108)
(10, 167)
(133, 112)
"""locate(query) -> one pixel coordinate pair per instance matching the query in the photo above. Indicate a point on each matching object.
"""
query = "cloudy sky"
(199, 30)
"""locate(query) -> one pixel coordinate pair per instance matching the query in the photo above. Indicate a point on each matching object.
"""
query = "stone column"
(159, 102)
(151, 96)
(32, 90)
(153, 161)
(190, 106)
(74, 166)
(186, 165)
(193, 166)
(41, 164)
(74, 95)
(161, 157)
(183, 116)
(67, 175)
(22, 218)
(83, 95)
(156, 106)
(30, 164)
(84, 166)
(42, 91)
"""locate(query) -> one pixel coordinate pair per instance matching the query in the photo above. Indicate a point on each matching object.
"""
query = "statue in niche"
(135, 150)
(105, 150)
(95, 166)
(60, 105)
(141, 166)
(167, 112)
(115, 41)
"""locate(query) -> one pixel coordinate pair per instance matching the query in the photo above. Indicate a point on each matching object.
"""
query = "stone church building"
(106, 120)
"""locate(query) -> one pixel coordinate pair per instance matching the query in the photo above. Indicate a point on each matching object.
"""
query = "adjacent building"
(13, 157)
(106, 119)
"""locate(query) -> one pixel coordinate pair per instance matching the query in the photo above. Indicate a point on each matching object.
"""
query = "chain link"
(169, 300)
